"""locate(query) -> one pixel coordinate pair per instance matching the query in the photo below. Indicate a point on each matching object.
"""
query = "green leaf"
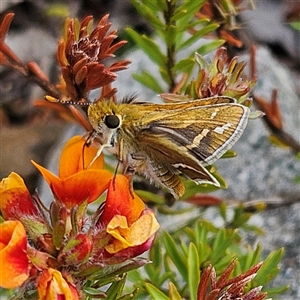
(116, 289)
(148, 196)
(213, 45)
(132, 295)
(148, 46)
(58, 233)
(185, 12)
(170, 35)
(225, 261)
(111, 271)
(269, 268)
(155, 293)
(193, 271)
(94, 292)
(155, 5)
(150, 11)
(195, 24)
(222, 241)
(185, 65)
(165, 75)
(58, 10)
(149, 81)
(173, 293)
(203, 227)
(223, 211)
(256, 114)
(135, 276)
(196, 36)
(204, 252)
(295, 25)
(240, 216)
(229, 154)
(254, 257)
(169, 268)
(297, 179)
(253, 228)
(251, 258)
(154, 270)
(155, 253)
(177, 258)
(277, 290)
(192, 188)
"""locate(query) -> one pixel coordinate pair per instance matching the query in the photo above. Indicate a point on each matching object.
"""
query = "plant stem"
(170, 46)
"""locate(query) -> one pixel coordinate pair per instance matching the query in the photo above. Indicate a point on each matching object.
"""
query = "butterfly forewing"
(205, 133)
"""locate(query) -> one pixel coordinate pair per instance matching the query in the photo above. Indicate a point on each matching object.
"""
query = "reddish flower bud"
(76, 251)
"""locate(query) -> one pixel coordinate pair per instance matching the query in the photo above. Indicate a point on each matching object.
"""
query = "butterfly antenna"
(55, 100)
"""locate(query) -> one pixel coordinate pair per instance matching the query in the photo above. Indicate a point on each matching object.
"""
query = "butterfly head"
(105, 121)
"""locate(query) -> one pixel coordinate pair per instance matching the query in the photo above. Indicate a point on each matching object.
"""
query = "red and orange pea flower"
(77, 183)
(52, 285)
(16, 203)
(122, 229)
(126, 219)
(13, 258)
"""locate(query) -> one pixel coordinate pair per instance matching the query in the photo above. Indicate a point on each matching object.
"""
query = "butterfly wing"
(181, 138)
(202, 133)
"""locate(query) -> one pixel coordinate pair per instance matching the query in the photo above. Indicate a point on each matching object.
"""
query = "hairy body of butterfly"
(162, 141)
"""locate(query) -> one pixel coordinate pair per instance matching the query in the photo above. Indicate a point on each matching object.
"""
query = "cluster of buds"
(221, 77)
(56, 251)
(80, 55)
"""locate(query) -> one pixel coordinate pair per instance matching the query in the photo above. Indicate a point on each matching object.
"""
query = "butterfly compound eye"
(112, 121)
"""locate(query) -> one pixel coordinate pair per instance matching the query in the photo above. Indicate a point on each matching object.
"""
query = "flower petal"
(73, 190)
(85, 185)
(76, 156)
(48, 176)
(137, 234)
(121, 200)
(53, 286)
(13, 257)
(15, 198)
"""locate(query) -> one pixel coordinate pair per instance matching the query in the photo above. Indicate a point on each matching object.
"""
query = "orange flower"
(126, 219)
(53, 286)
(16, 203)
(13, 259)
(15, 198)
(76, 184)
(121, 200)
(76, 157)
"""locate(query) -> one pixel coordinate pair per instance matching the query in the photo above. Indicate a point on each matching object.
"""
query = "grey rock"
(264, 172)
